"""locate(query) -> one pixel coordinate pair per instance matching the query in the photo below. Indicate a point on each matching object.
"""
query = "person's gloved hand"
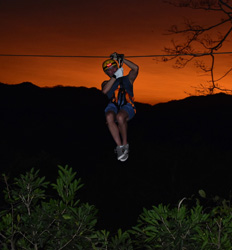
(119, 73)
(114, 56)
(120, 57)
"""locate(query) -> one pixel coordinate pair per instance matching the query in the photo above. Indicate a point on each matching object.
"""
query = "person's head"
(110, 66)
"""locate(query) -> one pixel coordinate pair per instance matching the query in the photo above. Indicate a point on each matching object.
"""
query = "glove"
(117, 57)
(119, 73)
(120, 59)
(114, 56)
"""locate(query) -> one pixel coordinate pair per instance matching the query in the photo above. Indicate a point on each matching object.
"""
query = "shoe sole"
(120, 157)
(124, 159)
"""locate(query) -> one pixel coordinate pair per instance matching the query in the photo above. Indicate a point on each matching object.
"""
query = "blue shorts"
(128, 108)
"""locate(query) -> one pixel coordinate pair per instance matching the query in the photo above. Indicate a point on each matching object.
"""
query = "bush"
(181, 228)
(32, 219)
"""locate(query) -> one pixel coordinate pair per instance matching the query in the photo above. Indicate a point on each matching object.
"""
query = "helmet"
(108, 64)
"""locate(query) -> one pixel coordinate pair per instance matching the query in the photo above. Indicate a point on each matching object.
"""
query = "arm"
(107, 85)
(134, 70)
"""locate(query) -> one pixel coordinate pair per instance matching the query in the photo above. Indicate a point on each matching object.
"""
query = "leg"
(113, 128)
(122, 118)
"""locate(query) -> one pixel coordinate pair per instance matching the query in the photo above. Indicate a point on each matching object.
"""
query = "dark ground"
(176, 148)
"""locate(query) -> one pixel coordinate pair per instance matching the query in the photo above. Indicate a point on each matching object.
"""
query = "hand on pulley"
(117, 57)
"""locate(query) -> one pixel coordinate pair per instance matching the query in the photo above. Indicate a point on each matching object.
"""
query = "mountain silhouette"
(176, 148)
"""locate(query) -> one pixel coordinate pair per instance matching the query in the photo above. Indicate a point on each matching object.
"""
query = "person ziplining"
(121, 108)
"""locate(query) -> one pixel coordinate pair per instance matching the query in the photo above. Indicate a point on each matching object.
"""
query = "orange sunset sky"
(99, 28)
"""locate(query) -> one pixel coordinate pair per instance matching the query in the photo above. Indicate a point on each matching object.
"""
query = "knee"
(110, 117)
(120, 118)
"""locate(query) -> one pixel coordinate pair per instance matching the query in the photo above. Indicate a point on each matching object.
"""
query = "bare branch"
(225, 3)
(201, 40)
(224, 75)
(222, 40)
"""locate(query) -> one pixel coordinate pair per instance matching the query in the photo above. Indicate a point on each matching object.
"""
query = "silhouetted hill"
(176, 148)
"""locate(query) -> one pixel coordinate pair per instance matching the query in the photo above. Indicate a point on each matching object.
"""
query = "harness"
(121, 97)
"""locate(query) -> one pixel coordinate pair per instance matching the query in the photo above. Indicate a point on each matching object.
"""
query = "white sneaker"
(125, 152)
(120, 152)
(124, 157)
(126, 148)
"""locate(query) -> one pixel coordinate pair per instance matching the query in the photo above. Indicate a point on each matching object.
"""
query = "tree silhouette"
(202, 41)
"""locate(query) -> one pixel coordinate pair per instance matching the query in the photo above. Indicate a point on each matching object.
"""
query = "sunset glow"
(93, 28)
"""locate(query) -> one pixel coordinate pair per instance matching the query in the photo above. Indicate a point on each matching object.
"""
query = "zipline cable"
(136, 56)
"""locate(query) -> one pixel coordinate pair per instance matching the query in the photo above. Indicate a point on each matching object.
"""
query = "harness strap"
(121, 97)
(130, 99)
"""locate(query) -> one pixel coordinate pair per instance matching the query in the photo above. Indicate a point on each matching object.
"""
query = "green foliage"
(202, 193)
(121, 241)
(66, 185)
(181, 228)
(31, 219)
